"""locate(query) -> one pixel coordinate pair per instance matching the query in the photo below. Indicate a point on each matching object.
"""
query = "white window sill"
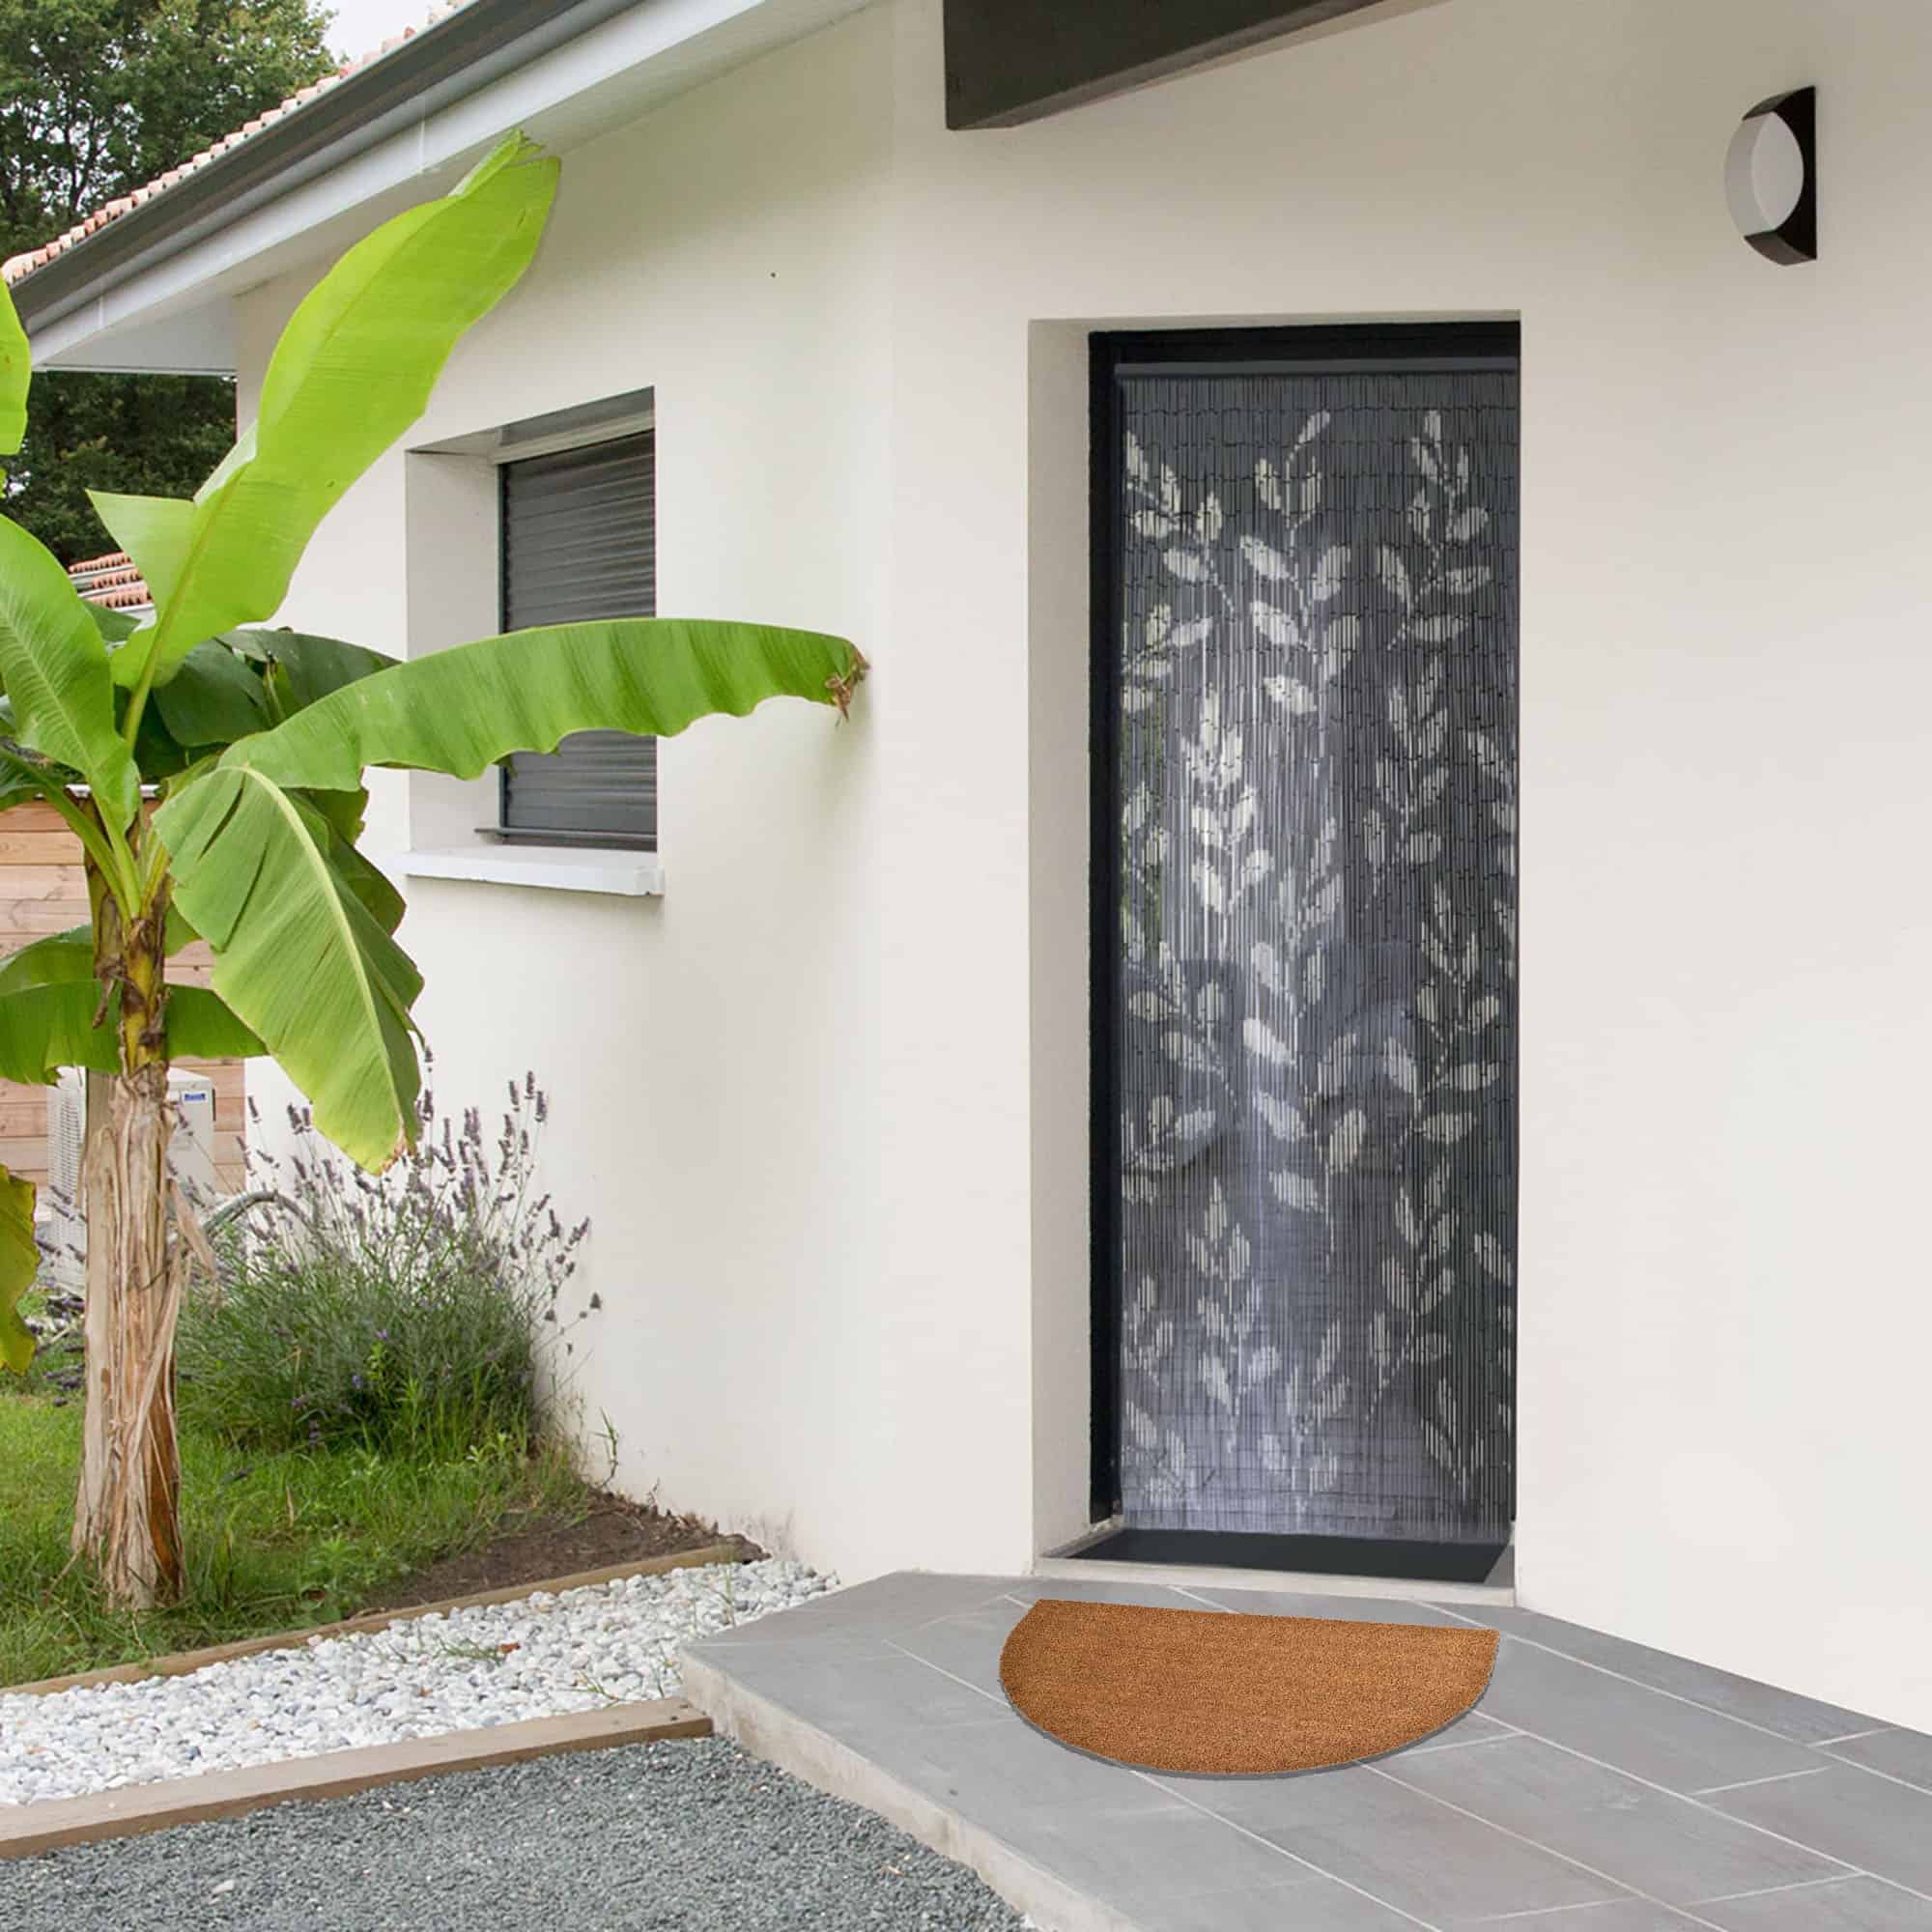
(559, 868)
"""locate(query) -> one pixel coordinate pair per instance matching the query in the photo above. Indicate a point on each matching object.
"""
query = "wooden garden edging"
(134, 1809)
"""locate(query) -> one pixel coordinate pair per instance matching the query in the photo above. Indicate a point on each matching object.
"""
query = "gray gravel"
(668, 1836)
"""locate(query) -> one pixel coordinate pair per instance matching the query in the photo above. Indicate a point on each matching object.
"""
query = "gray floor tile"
(1636, 1914)
(874, 1699)
(1906, 1754)
(730, 1646)
(1079, 1590)
(1472, 1727)
(1012, 1779)
(1847, 1905)
(1315, 1905)
(890, 1604)
(1682, 1746)
(1128, 1859)
(1398, 1845)
(1672, 1849)
(1354, 1609)
(968, 1646)
(1849, 1815)
(1802, 1719)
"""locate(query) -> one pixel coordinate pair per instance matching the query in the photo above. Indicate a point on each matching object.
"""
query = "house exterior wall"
(825, 1100)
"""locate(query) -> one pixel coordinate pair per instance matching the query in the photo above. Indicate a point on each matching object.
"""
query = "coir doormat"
(1218, 1694)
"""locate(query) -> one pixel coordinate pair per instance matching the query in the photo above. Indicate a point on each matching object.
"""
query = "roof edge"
(435, 68)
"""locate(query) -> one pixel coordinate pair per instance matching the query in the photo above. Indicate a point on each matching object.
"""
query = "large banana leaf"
(24, 780)
(154, 530)
(201, 1027)
(310, 666)
(353, 370)
(460, 710)
(19, 1263)
(53, 666)
(299, 956)
(49, 996)
(115, 626)
(212, 699)
(47, 1027)
(15, 368)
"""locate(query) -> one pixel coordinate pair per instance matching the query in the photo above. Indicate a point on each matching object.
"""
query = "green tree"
(258, 741)
(98, 96)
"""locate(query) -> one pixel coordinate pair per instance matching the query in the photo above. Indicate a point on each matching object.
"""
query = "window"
(580, 543)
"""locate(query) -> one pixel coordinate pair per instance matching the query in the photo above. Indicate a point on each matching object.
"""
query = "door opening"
(1304, 1071)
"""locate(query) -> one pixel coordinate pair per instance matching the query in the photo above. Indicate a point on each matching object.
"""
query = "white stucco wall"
(711, 1056)
(823, 1099)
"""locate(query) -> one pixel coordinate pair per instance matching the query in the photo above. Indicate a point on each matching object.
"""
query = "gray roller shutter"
(580, 542)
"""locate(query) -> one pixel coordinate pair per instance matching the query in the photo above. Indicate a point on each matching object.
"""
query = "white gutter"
(166, 306)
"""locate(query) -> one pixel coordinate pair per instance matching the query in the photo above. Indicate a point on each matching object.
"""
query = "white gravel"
(540, 1657)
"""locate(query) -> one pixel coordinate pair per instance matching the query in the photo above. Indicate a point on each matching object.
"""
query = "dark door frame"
(1326, 347)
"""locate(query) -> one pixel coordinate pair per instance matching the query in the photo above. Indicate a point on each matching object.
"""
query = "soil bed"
(610, 1530)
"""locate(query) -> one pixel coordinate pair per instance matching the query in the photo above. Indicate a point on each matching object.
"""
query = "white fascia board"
(606, 76)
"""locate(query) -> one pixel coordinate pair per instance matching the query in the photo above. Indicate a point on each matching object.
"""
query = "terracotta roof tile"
(16, 267)
(113, 581)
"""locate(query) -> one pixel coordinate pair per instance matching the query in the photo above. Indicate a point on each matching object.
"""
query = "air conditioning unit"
(62, 1218)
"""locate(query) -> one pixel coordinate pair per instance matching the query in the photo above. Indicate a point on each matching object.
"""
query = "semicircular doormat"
(1217, 1693)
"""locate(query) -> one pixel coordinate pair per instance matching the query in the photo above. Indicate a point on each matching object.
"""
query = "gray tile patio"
(1599, 1786)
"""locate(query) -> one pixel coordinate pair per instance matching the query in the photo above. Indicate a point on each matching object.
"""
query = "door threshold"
(1498, 1588)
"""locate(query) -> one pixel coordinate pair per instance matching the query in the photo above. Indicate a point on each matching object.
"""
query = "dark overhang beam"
(1008, 60)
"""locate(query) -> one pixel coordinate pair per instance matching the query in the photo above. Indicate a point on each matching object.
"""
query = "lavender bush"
(417, 1310)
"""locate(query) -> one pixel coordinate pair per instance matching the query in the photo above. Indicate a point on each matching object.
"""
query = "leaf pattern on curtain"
(1317, 1038)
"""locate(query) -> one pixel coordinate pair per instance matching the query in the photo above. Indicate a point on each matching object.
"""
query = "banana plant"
(213, 771)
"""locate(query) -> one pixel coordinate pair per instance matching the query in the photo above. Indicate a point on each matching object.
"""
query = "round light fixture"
(1770, 176)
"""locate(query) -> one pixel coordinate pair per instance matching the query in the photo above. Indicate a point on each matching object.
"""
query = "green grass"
(274, 1541)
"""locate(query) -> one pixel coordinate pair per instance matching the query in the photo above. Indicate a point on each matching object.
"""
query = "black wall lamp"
(1770, 176)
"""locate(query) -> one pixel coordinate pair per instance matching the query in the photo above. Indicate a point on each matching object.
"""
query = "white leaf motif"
(1278, 627)
(1402, 1069)
(1266, 1043)
(1290, 694)
(1314, 427)
(1297, 1190)
(1265, 560)
(1330, 573)
(1345, 1144)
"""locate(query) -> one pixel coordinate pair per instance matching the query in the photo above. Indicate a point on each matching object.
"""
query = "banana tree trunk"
(126, 1520)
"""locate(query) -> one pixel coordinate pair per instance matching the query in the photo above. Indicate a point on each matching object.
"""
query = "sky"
(364, 25)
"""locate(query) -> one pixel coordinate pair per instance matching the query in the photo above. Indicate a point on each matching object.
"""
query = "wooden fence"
(43, 889)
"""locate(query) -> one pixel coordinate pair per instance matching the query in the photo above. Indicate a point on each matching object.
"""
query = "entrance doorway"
(1304, 947)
